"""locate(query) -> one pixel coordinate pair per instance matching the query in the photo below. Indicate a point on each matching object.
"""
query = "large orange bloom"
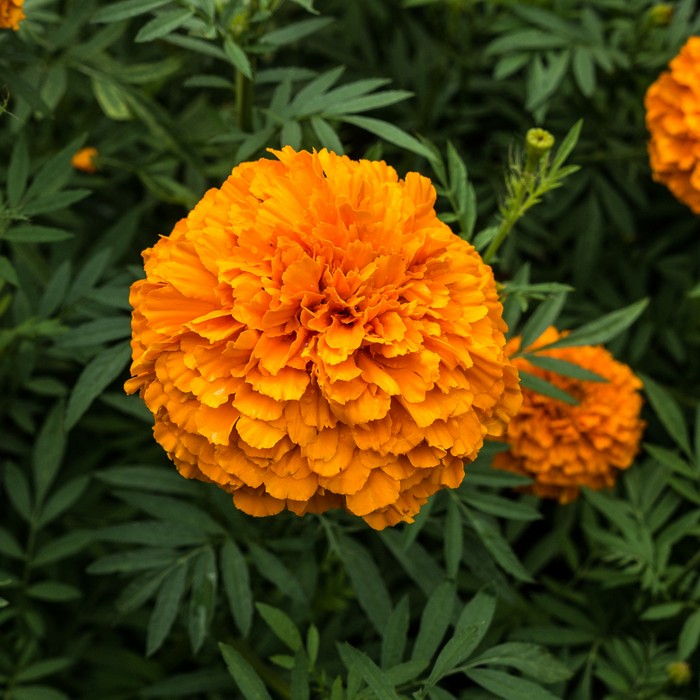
(311, 336)
(562, 446)
(11, 14)
(673, 119)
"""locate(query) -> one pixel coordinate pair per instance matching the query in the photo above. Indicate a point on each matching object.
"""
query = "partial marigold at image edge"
(312, 336)
(563, 447)
(672, 106)
(11, 14)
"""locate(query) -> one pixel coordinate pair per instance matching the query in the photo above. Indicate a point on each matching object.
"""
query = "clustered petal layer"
(311, 336)
(563, 447)
(673, 119)
(11, 14)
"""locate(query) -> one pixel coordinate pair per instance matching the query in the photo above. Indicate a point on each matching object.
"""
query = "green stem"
(244, 102)
(514, 211)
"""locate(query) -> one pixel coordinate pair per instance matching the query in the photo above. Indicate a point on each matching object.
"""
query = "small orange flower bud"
(85, 159)
(11, 14)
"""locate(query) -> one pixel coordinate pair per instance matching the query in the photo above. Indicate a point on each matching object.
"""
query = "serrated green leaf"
(166, 608)
(295, 31)
(9, 545)
(101, 330)
(62, 547)
(367, 582)
(242, 672)
(17, 488)
(133, 560)
(54, 201)
(669, 413)
(454, 539)
(30, 233)
(395, 634)
(389, 132)
(375, 678)
(43, 668)
(690, 636)
(18, 171)
(203, 598)
(236, 581)
(435, 620)
(568, 369)
(663, 611)
(272, 569)
(97, 375)
(62, 499)
(54, 591)
(542, 386)
(326, 135)
(118, 11)
(530, 659)
(281, 624)
(48, 451)
(544, 316)
(508, 687)
(238, 57)
(111, 98)
(163, 24)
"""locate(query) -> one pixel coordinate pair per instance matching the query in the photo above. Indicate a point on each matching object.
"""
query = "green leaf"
(7, 271)
(542, 386)
(530, 659)
(242, 672)
(62, 499)
(9, 545)
(375, 678)
(111, 98)
(390, 133)
(454, 539)
(326, 135)
(236, 580)
(54, 202)
(565, 148)
(281, 624)
(462, 191)
(165, 611)
(584, 70)
(97, 375)
(54, 591)
(48, 451)
(154, 533)
(395, 634)
(502, 507)
(568, 369)
(43, 668)
(295, 31)
(543, 317)
(663, 611)
(690, 636)
(17, 487)
(509, 687)
(141, 478)
(101, 330)
(472, 625)
(203, 598)
(127, 8)
(134, 560)
(299, 688)
(367, 582)
(37, 692)
(55, 290)
(18, 171)
(434, 621)
(163, 24)
(365, 103)
(497, 546)
(238, 57)
(669, 413)
(62, 547)
(36, 234)
(55, 172)
(271, 568)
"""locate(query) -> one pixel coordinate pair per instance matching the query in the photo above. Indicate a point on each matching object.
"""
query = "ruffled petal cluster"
(11, 14)
(673, 120)
(563, 447)
(311, 336)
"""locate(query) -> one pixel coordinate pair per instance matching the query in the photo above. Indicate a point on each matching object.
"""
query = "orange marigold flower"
(673, 120)
(11, 14)
(85, 159)
(311, 336)
(562, 446)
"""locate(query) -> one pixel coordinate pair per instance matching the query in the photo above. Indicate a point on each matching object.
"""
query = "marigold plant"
(563, 447)
(672, 104)
(11, 14)
(312, 336)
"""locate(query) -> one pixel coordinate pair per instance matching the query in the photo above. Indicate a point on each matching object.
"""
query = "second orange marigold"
(563, 447)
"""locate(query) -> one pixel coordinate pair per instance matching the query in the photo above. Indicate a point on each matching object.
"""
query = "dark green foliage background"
(121, 580)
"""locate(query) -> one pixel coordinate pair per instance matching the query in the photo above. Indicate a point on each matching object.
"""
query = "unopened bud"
(538, 142)
(679, 673)
(86, 159)
(660, 15)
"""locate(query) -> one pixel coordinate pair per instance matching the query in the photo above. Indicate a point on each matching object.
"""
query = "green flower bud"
(679, 673)
(660, 15)
(538, 142)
